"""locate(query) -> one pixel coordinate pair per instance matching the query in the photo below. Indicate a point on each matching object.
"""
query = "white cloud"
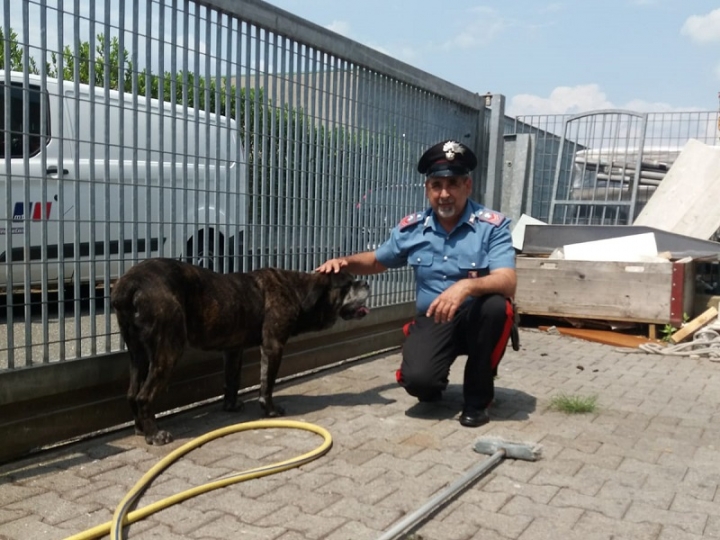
(640, 105)
(379, 48)
(703, 28)
(563, 99)
(482, 27)
(581, 98)
(344, 29)
(552, 7)
(340, 27)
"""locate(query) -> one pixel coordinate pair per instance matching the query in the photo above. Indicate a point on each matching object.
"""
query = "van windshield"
(13, 131)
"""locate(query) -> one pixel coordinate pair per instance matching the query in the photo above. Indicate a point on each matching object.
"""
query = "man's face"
(448, 195)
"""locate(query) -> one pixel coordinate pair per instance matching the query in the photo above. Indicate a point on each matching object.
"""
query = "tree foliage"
(16, 53)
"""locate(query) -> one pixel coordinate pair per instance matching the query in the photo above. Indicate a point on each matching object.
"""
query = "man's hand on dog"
(332, 266)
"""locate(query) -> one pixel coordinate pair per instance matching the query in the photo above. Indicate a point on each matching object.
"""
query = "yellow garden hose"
(121, 516)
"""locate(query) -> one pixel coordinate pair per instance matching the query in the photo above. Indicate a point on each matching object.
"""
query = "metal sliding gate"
(228, 134)
(599, 169)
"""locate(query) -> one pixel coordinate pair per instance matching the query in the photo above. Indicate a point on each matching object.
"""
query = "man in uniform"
(464, 265)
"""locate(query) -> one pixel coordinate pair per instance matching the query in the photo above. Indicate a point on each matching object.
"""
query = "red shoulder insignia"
(494, 218)
(410, 219)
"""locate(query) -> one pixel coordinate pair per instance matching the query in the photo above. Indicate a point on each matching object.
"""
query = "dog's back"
(199, 307)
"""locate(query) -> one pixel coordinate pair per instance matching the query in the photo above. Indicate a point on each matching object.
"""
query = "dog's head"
(340, 294)
(353, 294)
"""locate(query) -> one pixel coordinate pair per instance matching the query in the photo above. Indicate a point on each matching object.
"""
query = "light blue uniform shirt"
(478, 244)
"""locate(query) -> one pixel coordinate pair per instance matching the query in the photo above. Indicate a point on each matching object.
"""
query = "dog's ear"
(319, 285)
(324, 283)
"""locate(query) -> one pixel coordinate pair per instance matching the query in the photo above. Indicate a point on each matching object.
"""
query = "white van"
(79, 200)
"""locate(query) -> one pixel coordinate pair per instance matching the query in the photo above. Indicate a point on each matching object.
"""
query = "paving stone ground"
(644, 465)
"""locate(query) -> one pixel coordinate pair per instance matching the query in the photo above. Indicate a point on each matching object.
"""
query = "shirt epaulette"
(489, 216)
(410, 219)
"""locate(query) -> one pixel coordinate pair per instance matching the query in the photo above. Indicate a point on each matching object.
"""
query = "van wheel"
(206, 256)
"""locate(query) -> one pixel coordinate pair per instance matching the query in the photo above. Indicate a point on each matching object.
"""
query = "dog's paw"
(233, 407)
(160, 438)
(275, 412)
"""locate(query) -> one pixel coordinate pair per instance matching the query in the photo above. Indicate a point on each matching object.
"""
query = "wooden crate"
(654, 292)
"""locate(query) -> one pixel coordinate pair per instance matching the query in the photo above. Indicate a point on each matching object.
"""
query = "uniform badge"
(494, 218)
(451, 148)
(409, 220)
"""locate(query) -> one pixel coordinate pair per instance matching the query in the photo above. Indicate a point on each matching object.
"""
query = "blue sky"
(546, 57)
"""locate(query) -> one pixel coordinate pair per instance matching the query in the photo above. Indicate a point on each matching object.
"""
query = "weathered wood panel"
(640, 292)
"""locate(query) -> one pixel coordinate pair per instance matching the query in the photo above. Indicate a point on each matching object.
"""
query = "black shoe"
(431, 398)
(472, 417)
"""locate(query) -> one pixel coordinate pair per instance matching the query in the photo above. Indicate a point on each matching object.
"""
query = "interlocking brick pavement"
(644, 465)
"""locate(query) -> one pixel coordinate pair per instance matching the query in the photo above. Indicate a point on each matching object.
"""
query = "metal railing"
(601, 167)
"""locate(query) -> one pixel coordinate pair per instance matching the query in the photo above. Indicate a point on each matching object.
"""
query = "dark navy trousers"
(480, 329)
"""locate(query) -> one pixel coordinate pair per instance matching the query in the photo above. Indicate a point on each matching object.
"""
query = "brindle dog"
(164, 306)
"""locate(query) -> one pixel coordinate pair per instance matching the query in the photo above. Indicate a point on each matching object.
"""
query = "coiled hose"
(121, 517)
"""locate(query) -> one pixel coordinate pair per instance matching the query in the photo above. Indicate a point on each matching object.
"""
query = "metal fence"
(229, 134)
(601, 167)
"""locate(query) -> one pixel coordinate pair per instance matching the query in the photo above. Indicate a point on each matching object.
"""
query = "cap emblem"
(451, 148)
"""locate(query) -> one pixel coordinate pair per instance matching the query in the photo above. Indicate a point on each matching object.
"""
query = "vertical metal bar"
(556, 179)
(151, 228)
(326, 185)
(27, 218)
(283, 109)
(296, 112)
(269, 150)
(364, 162)
(133, 199)
(181, 227)
(321, 156)
(317, 131)
(59, 131)
(230, 194)
(214, 194)
(108, 174)
(493, 188)
(163, 220)
(193, 193)
(77, 172)
(175, 214)
(261, 142)
(638, 168)
(117, 221)
(7, 150)
(481, 141)
(44, 138)
(240, 170)
(348, 151)
(249, 150)
(305, 141)
(334, 167)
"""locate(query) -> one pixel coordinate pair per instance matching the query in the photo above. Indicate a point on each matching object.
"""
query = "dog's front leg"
(270, 357)
(233, 364)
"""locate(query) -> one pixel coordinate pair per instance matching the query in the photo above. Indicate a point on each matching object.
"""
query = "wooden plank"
(686, 200)
(638, 292)
(694, 325)
(607, 337)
